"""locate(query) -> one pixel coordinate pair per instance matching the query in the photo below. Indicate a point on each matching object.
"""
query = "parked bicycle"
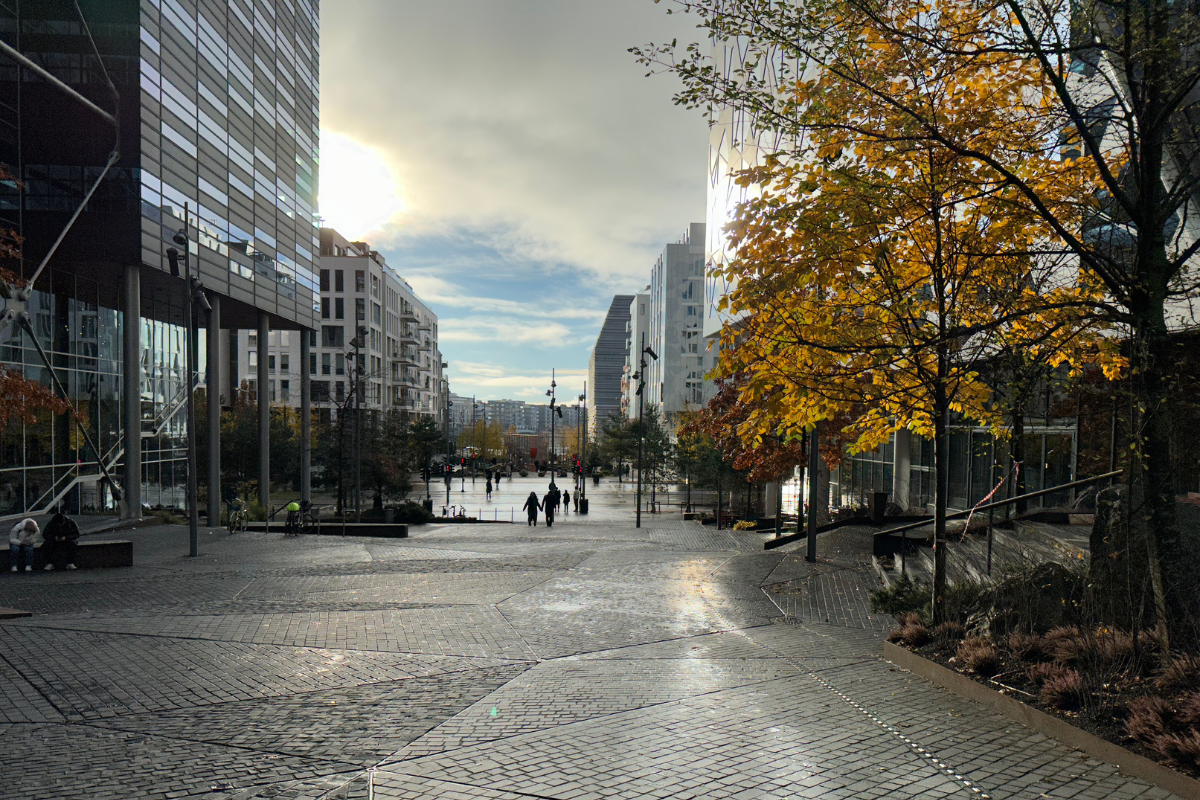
(237, 515)
(310, 518)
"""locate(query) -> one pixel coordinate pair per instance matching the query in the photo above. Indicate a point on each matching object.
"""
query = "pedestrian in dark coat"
(489, 487)
(548, 507)
(532, 506)
(59, 547)
(566, 501)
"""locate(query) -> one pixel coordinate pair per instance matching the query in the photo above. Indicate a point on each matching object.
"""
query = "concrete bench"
(91, 555)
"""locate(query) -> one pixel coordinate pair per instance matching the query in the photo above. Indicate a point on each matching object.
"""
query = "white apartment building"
(639, 317)
(676, 381)
(401, 365)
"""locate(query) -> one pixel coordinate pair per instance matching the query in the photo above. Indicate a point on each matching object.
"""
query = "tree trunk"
(1018, 455)
(941, 458)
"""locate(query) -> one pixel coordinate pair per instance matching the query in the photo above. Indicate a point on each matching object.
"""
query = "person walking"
(532, 506)
(566, 501)
(62, 535)
(23, 537)
(548, 507)
(489, 486)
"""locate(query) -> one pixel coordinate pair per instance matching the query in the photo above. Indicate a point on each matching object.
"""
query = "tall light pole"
(641, 422)
(550, 394)
(583, 453)
(447, 467)
(193, 292)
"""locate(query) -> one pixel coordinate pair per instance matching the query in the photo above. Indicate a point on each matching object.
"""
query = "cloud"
(528, 122)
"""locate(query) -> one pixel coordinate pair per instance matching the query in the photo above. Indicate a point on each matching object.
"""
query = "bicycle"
(237, 515)
(310, 520)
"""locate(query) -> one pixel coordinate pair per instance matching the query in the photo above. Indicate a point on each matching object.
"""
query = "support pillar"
(131, 392)
(305, 417)
(214, 410)
(902, 462)
(264, 415)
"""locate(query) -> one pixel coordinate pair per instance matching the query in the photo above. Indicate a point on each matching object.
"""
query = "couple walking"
(549, 504)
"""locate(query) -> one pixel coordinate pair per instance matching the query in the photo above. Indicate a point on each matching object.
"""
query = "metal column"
(264, 415)
(305, 418)
(132, 390)
(214, 410)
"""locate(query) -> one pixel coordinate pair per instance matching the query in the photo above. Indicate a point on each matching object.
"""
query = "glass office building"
(218, 115)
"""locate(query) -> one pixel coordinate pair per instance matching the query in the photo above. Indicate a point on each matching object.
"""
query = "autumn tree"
(875, 269)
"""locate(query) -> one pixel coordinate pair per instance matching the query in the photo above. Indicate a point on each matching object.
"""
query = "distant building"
(524, 418)
(400, 360)
(676, 379)
(607, 363)
(639, 317)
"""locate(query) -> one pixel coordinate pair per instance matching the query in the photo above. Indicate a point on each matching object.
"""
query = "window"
(360, 281)
(341, 391)
(312, 338)
(285, 390)
(324, 280)
(341, 364)
(272, 395)
(284, 363)
(339, 308)
(324, 308)
(320, 391)
(271, 363)
(332, 336)
(253, 360)
(339, 284)
(374, 286)
(312, 363)
(326, 360)
(253, 340)
(360, 309)
(376, 313)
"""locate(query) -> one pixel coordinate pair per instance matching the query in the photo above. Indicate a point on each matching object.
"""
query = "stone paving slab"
(89, 675)
(476, 632)
(74, 761)
(361, 725)
(566, 691)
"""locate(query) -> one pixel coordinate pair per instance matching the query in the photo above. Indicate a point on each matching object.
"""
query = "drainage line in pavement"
(914, 746)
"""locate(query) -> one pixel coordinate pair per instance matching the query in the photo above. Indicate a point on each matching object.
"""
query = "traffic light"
(448, 470)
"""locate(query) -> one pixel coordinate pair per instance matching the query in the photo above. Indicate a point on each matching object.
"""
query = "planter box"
(1129, 762)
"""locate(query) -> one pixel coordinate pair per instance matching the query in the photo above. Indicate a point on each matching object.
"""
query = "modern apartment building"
(606, 363)
(675, 381)
(216, 129)
(524, 418)
(639, 319)
(400, 363)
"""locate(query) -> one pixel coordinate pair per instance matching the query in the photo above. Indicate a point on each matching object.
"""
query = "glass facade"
(230, 128)
(219, 112)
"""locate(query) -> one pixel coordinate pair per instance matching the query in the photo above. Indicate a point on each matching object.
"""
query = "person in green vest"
(293, 518)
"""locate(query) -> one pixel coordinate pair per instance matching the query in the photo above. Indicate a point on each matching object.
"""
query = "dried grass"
(949, 634)
(1181, 673)
(978, 655)
(1028, 646)
(1064, 691)
(1038, 674)
(1149, 718)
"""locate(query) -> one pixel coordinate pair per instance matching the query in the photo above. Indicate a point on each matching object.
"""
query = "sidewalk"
(588, 660)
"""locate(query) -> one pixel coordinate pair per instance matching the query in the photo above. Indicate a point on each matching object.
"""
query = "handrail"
(1000, 503)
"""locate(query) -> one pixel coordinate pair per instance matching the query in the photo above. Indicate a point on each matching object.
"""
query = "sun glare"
(358, 191)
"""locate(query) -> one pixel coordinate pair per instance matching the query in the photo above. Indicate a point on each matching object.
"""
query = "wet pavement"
(492, 661)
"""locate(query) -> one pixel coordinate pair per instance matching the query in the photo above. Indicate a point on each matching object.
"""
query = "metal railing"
(989, 507)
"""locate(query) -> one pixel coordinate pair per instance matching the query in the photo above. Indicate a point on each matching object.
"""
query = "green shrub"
(904, 596)
(412, 513)
(255, 510)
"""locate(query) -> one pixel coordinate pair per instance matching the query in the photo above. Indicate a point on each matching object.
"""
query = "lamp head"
(650, 353)
(180, 238)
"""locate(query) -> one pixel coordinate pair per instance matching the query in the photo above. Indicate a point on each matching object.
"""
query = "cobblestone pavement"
(492, 662)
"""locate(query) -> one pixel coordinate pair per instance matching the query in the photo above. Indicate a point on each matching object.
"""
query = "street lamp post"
(641, 376)
(194, 292)
(583, 453)
(550, 394)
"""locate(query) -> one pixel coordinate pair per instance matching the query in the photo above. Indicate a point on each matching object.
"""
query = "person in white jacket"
(24, 536)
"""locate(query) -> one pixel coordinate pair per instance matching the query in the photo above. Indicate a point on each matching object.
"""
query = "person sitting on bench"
(62, 536)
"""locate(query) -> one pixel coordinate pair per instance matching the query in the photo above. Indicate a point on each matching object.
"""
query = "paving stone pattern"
(589, 660)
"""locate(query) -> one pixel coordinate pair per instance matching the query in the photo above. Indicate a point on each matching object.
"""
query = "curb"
(1128, 762)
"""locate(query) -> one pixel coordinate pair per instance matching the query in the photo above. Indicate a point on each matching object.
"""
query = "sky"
(512, 162)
